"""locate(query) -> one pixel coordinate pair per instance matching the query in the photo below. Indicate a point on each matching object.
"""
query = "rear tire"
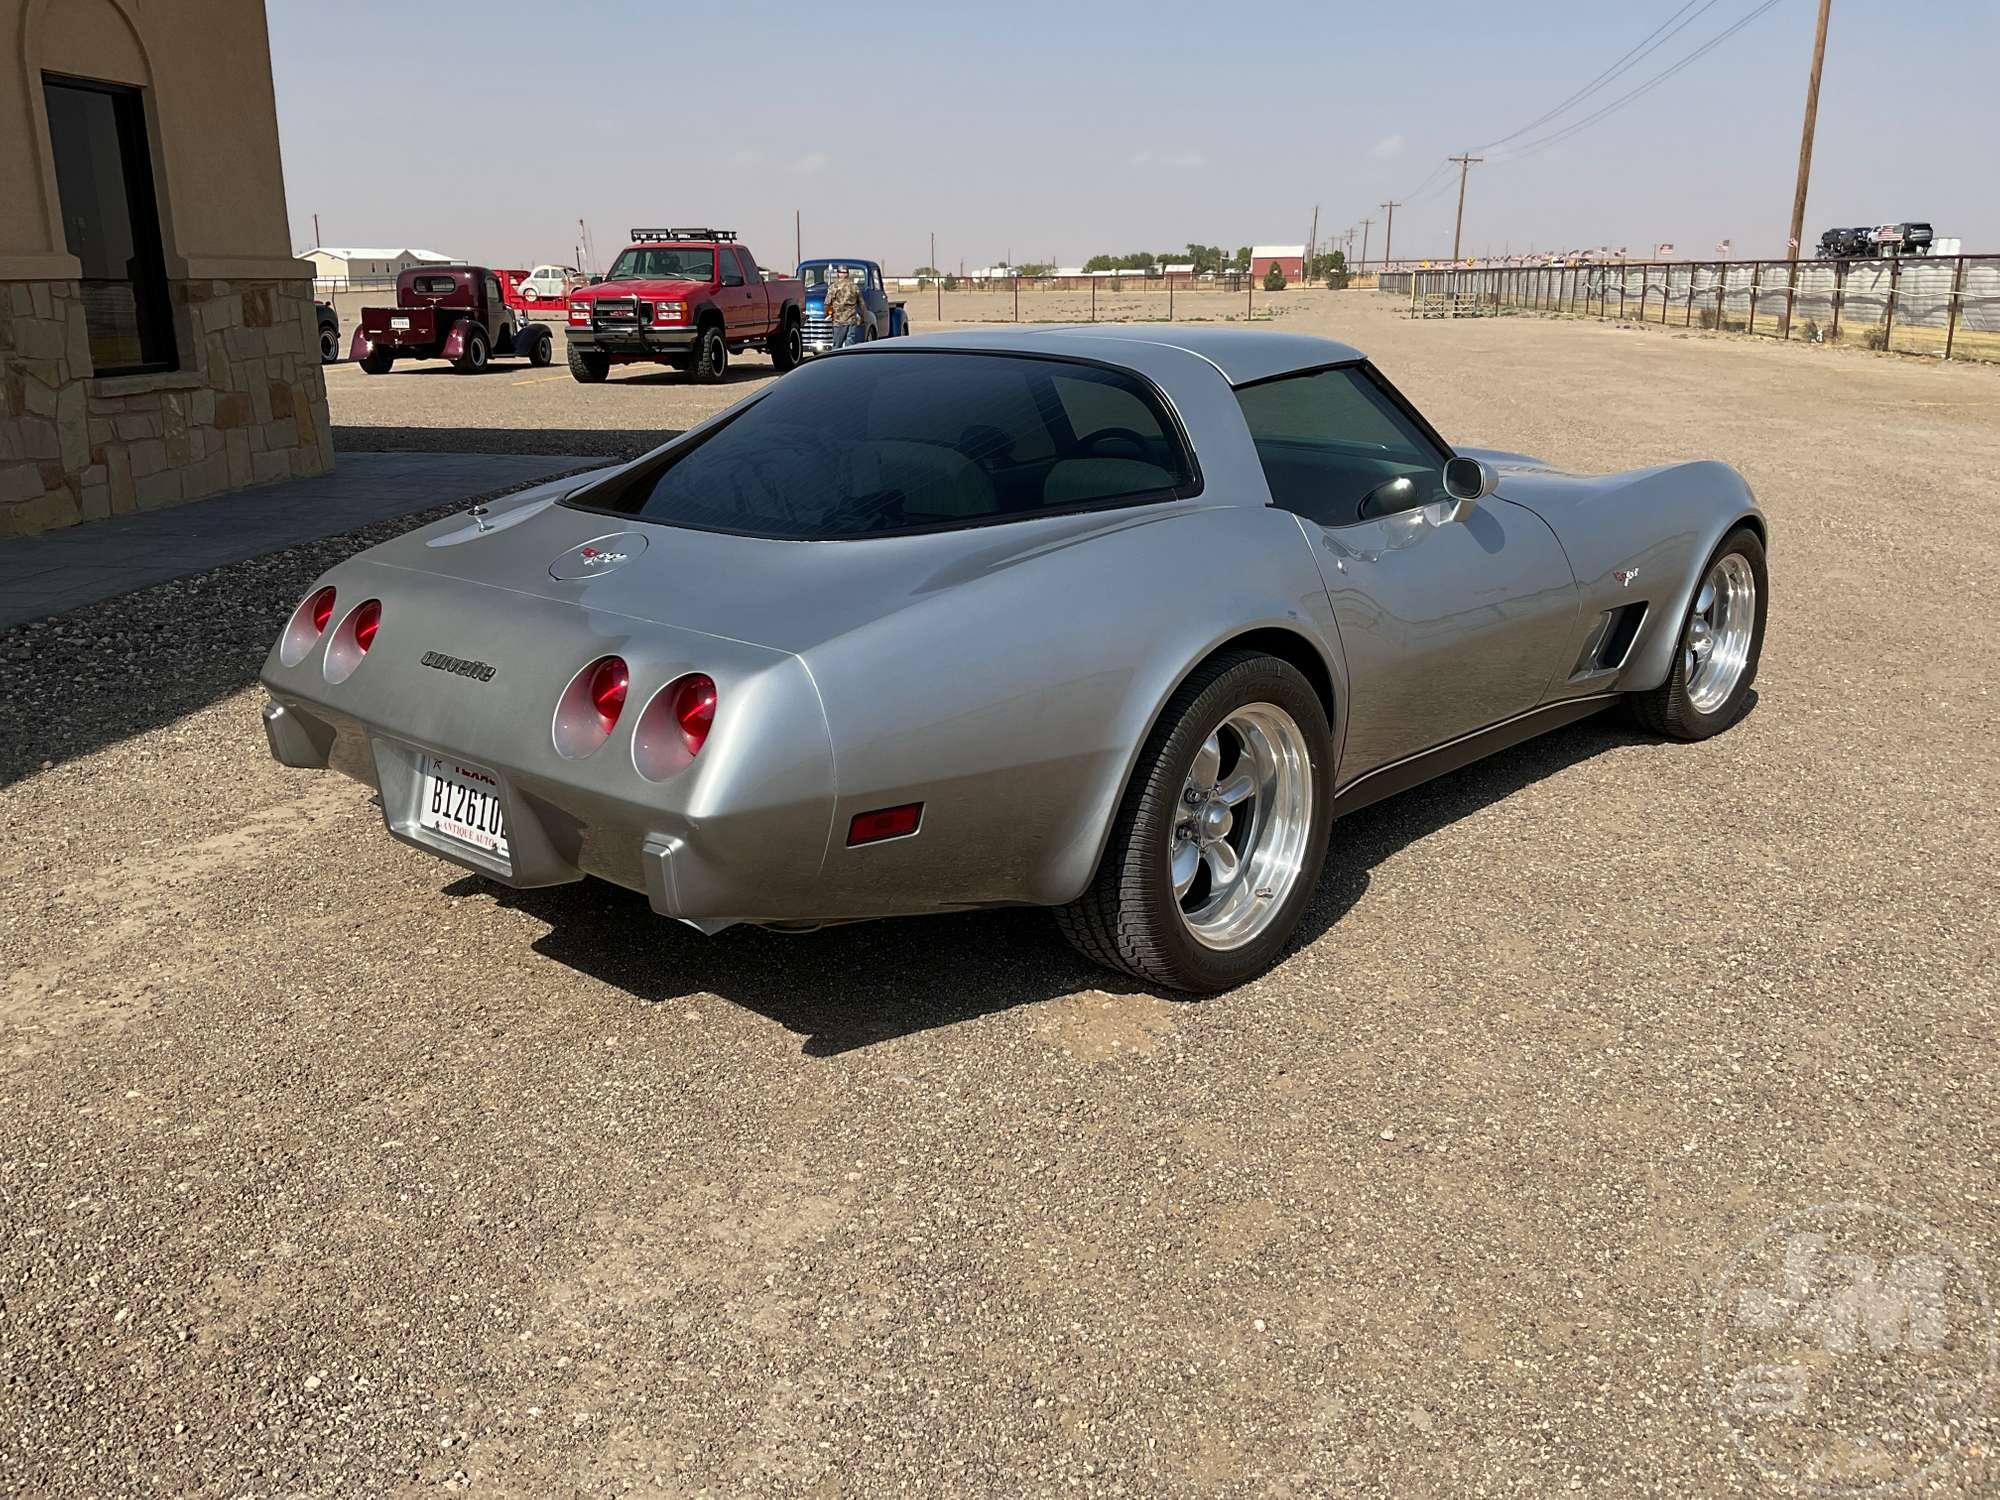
(329, 344)
(542, 352)
(1716, 653)
(588, 366)
(375, 362)
(473, 358)
(711, 358)
(788, 345)
(1217, 930)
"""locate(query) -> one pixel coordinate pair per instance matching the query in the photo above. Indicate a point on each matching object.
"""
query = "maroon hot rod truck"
(687, 298)
(457, 313)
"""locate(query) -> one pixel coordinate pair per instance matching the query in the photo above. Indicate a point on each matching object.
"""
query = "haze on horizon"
(1116, 129)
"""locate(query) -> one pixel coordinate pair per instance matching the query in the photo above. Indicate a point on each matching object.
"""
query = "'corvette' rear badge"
(599, 555)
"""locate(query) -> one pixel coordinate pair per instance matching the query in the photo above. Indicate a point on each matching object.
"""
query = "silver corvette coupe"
(1114, 620)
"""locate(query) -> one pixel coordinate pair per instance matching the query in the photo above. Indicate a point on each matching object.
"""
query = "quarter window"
(1337, 449)
(111, 223)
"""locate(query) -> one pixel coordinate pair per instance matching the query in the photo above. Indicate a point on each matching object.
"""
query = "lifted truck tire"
(711, 360)
(587, 366)
(788, 345)
(375, 362)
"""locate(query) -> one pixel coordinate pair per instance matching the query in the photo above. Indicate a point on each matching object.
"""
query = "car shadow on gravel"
(845, 987)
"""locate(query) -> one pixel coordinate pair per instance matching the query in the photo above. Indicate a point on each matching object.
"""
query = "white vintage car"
(549, 283)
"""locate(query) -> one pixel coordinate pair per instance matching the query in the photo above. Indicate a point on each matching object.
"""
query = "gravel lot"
(324, 1170)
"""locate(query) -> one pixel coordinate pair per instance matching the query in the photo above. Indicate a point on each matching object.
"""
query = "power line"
(1624, 64)
(1541, 142)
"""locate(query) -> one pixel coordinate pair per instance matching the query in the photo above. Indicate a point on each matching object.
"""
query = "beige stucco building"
(157, 338)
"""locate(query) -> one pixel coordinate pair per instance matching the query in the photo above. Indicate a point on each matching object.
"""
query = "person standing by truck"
(843, 309)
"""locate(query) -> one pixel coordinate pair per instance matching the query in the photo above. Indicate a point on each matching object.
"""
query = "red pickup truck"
(688, 298)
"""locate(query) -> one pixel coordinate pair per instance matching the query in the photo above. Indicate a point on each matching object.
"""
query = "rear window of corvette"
(890, 443)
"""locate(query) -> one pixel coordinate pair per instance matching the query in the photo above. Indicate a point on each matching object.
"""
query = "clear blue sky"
(1052, 132)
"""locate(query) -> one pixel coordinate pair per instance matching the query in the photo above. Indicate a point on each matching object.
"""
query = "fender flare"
(1653, 655)
(360, 346)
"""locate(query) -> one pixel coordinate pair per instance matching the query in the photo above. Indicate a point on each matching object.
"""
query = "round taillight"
(322, 610)
(609, 680)
(367, 619)
(694, 710)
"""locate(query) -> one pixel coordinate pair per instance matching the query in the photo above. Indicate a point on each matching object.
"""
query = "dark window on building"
(111, 222)
(899, 442)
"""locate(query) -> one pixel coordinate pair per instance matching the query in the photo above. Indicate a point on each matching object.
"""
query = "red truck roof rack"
(656, 236)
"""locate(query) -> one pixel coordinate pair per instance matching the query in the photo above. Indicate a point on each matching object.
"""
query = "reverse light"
(885, 823)
(351, 639)
(670, 312)
(694, 710)
(609, 680)
(589, 707)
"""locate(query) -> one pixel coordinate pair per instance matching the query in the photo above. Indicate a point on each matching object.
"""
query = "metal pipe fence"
(1944, 306)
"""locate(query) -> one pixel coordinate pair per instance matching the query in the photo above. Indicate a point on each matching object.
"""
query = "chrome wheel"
(1716, 648)
(1242, 826)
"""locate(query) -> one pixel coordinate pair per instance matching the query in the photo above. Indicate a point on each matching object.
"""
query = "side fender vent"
(1610, 640)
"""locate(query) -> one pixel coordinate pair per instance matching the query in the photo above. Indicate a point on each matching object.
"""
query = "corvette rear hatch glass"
(887, 443)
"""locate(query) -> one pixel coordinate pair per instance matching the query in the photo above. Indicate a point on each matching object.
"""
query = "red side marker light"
(885, 823)
(322, 610)
(367, 619)
(608, 683)
(694, 710)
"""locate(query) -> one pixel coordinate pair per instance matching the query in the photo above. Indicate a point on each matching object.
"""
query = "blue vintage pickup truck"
(881, 318)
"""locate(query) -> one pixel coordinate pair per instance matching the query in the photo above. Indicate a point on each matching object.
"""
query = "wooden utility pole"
(1795, 246)
(316, 240)
(1465, 163)
(1389, 231)
(1312, 243)
(1364, 243)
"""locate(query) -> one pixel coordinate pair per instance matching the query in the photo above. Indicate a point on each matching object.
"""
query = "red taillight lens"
(694, 710)
(885, 823)
(367, 618)
(322, 610)
(609, 680)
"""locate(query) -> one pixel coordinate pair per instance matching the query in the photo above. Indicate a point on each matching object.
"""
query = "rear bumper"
(709, 871)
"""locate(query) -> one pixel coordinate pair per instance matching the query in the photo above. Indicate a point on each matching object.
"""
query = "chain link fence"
(1946, 306)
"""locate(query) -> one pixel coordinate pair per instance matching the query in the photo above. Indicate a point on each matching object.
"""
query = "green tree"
(925, 271)
(1242, 260)
(1274, 279)
(1033, 268)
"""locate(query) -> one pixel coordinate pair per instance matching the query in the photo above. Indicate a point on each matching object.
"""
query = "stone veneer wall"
(248, 404)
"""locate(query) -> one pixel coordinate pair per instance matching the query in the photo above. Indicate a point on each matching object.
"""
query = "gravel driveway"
(325, 1169)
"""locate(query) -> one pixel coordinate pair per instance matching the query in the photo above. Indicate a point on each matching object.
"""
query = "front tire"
(329, 344)
(1721, 640)
(711, 360)
(1217, 846)
(588, 366)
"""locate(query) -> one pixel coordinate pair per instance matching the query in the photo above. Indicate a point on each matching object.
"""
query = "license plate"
(463, 804)
(399, 322)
